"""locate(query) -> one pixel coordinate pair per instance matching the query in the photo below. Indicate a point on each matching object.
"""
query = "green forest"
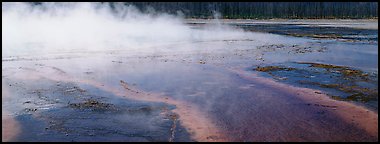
(261, 10)
(265, 10)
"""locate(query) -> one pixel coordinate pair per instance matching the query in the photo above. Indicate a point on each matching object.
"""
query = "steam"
(29, 29)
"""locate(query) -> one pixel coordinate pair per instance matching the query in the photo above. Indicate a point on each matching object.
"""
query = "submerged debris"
(294, 48)
(117, 61)
(174, 118)
(27, 102)
(75, 88)
(125, 85)
(30, 109)
(93, 104)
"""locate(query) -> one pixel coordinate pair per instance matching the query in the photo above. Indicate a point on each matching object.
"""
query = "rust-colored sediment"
(200, 127)
(192, 118)
(10, 127)
(203, 128)
(362, 117)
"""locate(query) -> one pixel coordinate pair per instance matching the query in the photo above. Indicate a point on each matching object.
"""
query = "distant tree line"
(266, 9)
(262, 10)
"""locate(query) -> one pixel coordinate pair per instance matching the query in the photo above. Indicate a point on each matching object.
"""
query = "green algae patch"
(340, 82)
(321, 36)
(273, 68)
(355, 73)
(361, 97)
(356, 93)
(346, 72)
(319, 65)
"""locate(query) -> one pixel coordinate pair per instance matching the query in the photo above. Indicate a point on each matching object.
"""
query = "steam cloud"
(57, 27)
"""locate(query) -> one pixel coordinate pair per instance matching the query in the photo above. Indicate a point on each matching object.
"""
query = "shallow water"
(212, 79)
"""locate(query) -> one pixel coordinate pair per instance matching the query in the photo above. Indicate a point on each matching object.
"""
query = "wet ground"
(340, 82)
(338, 33)
(287, 83)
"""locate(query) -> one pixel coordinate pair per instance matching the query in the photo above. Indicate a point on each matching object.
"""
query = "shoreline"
(349, 23)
